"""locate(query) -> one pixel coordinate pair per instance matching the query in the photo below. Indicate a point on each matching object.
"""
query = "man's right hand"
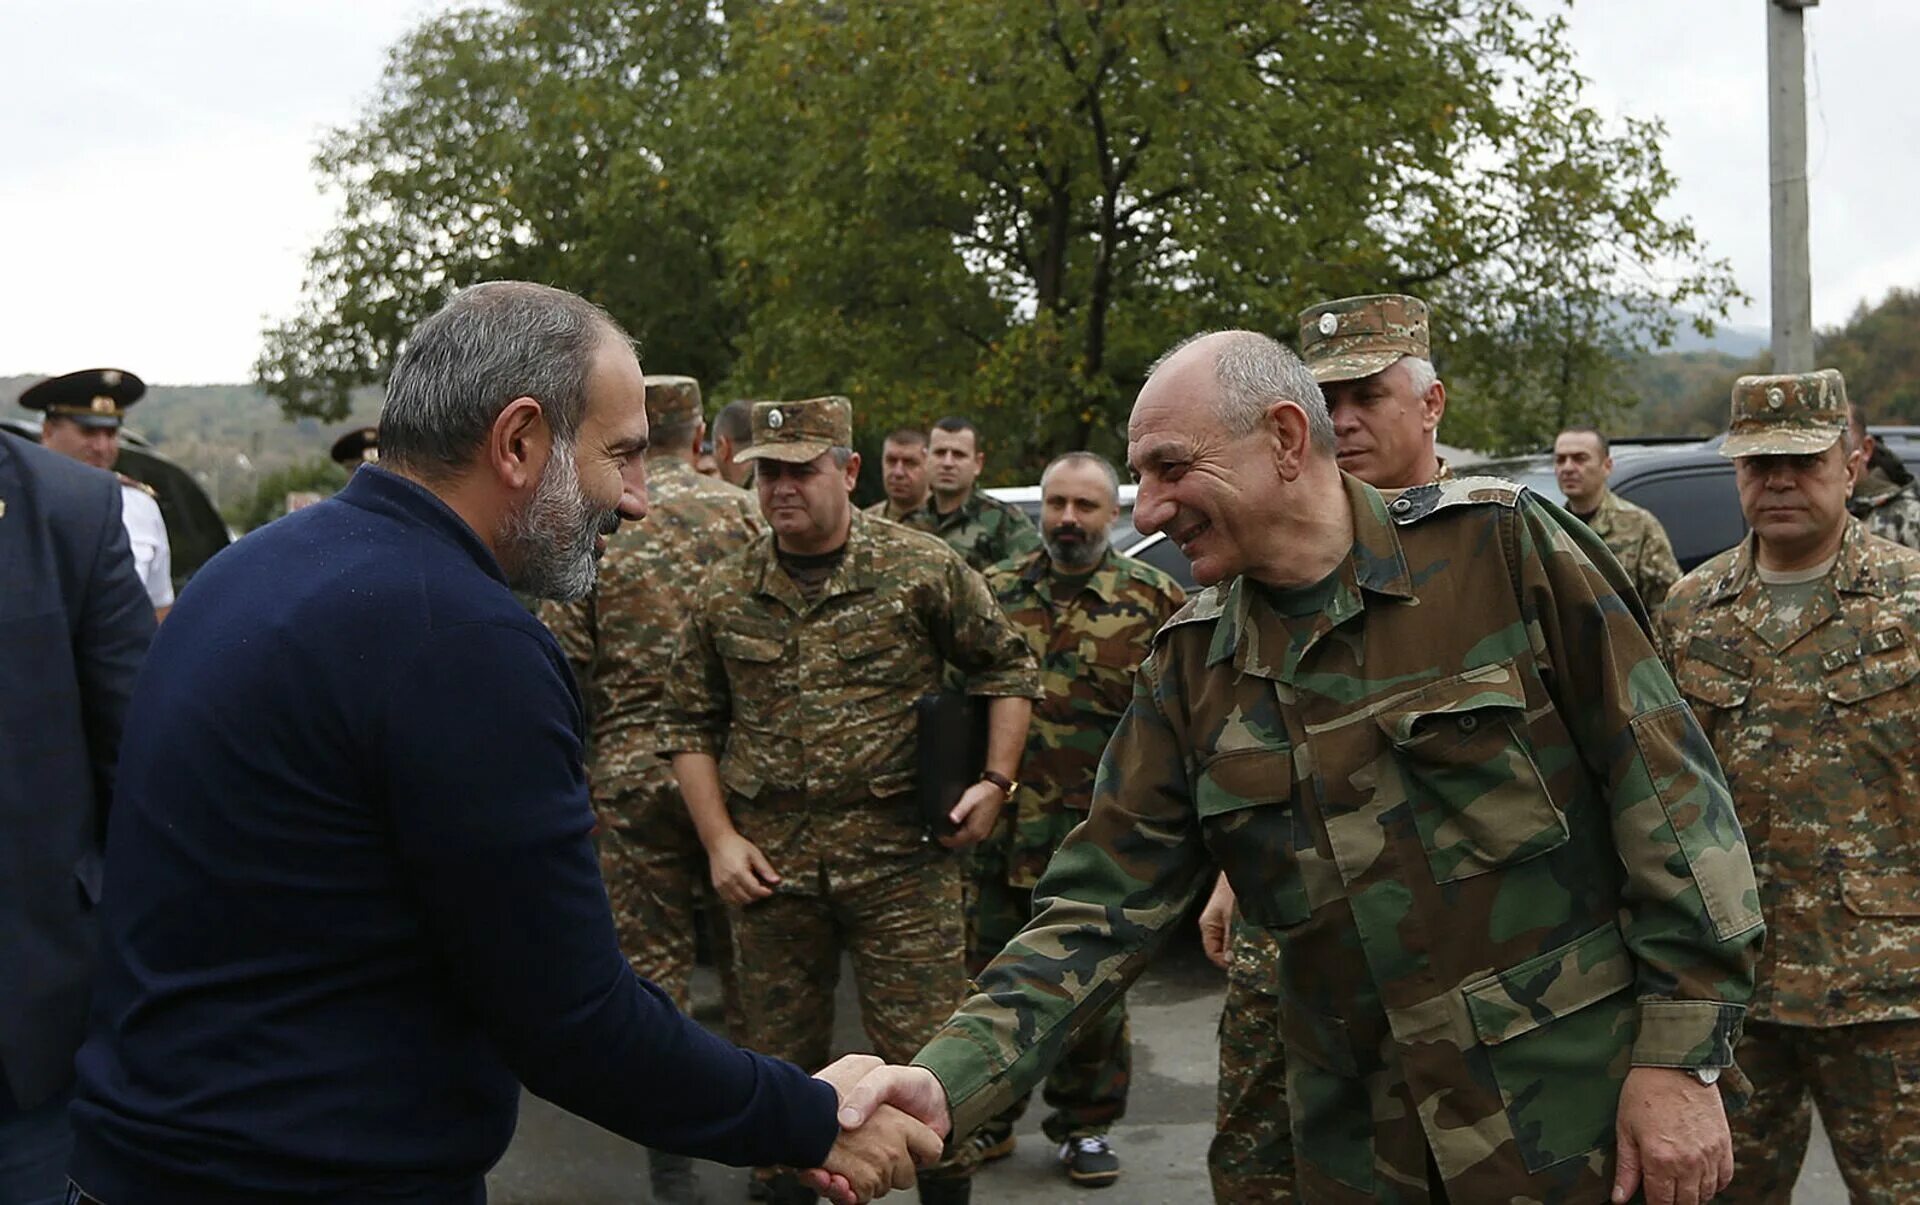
(884, 1153)
(915, 1091)
(741, 873)
(1216, 920)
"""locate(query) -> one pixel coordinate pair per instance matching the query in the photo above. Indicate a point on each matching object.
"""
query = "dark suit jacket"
(74, 625)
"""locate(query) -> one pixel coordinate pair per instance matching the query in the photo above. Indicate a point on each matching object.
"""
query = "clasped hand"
(892, 1120)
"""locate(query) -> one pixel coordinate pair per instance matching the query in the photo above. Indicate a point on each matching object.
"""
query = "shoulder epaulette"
(1204, 607)
(133, 483)
(1417, 503)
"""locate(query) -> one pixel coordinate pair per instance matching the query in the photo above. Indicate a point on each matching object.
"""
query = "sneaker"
(990, 1145)
(1090, 1161)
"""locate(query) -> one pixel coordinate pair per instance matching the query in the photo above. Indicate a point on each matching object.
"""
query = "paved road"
(557, 1159)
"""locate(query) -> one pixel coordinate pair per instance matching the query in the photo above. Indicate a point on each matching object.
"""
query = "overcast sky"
(157, 197)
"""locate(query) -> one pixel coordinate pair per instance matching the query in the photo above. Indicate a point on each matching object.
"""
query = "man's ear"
(518, 444)
(1288, 432)
(1433, 406)
(853, 471)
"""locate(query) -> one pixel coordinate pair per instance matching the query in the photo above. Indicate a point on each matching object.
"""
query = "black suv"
(1685, 482)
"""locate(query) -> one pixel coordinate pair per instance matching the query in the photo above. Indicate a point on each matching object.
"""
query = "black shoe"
(945, 1190)
(990, 1145)
(672, 1179)
(1089, 1161)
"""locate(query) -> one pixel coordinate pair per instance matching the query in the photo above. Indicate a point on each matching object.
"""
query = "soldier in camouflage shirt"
(903, 474)
(792, 722)
(984, 530)
(1089, 614)
(1581, 464)
(1799, 652)
(1886, 499)
(619, 640)
(1431, 743)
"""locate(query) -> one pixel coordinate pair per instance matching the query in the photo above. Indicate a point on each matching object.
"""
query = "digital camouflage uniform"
(1637, 540)
(883, 509)
(1489, 833)
(1811, 705)
(982, 529)
(1088, 650)
(620, 639)
(1888, 501)
(808, 708)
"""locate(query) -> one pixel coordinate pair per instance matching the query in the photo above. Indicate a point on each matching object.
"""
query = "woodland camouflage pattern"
(1813, 715)
(1501, 853)
(1356, 337)
(1637, 540)
(1889, 508)
(620, 640)
(1088, 651)
(982, 529)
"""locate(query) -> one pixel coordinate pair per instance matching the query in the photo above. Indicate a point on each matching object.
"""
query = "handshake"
(892, 1123)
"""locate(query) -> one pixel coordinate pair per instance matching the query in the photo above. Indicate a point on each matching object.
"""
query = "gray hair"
(490, 344)
(1086, 458)
(1421, 375)
(1254, 372)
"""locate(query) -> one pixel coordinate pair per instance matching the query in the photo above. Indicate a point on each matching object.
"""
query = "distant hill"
(229, 436)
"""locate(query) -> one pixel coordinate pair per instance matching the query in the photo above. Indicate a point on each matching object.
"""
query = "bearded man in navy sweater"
(352, 898)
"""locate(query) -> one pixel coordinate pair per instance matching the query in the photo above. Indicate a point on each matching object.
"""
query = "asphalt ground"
(557, 1159)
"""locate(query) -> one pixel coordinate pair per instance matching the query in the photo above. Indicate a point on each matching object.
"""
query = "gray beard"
(551, 538)
(1083, 555)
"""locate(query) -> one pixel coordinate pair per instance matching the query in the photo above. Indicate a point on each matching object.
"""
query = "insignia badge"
(110, 378)
(775, 420)
(371, 455)
(1776, 398)
(103, 405)
(1328, 324)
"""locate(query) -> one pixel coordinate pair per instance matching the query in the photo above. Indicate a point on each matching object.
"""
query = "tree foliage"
(1009, 210)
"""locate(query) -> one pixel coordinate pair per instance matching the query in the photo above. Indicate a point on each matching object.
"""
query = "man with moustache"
(354, 905)
(1800, 652)
(1581, 465)
(1089, 615)
(903, 464)
(1430, 742)
(980, 528)
(791, 722)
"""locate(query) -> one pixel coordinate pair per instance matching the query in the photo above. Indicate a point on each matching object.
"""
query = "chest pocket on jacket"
(1471, 777)
(1243, 800)
(871, 641)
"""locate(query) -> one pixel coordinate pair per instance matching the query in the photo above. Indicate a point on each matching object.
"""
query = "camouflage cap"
(796, 432)
(1359, 336)
(672, 399)
(1793, 414)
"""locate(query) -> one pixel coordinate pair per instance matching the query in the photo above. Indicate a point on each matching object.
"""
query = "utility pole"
(1787, 177)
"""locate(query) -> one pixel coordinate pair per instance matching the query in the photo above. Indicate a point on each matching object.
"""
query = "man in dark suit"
(355, 904)
(74, 624)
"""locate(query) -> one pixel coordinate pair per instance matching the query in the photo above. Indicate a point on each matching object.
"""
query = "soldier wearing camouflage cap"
(1374, 364)
(791, 720)
(1429, 740)
(1799, 652)
(620, 640)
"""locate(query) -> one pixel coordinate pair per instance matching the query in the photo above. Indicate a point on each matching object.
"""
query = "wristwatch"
(1706, 1075)
(1007, 785)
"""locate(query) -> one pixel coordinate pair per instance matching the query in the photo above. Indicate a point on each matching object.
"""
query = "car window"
(1699, 506)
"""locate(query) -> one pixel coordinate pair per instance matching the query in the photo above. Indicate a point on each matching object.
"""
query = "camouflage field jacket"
(982, 529)
(1499, 855)
(1816, 718)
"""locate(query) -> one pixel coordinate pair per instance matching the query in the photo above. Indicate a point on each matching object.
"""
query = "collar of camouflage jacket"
(1105, 581)
(857, 572)
(1603, 514)
(1856, 571)
(1254, 635)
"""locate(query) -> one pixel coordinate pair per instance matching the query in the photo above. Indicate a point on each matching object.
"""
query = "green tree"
(525, 142)
(268, 501)
(1009, 210)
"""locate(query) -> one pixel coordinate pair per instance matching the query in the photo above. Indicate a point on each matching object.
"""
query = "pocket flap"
(1874, 670)
(1458, 698)
(1243, 778)
(738, 646)
(1881, 892)
(1706, 674)
(1319, 1039)
(1550, 985)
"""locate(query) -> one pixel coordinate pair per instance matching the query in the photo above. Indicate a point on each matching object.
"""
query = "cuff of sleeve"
(669, 740)
(963, 1067)
(822, 1128)
(1687, 1033)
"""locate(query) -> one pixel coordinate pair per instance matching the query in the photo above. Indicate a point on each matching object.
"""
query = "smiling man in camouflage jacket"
(1430, 742)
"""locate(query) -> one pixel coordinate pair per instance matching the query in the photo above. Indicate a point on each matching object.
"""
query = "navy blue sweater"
(350, 895)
